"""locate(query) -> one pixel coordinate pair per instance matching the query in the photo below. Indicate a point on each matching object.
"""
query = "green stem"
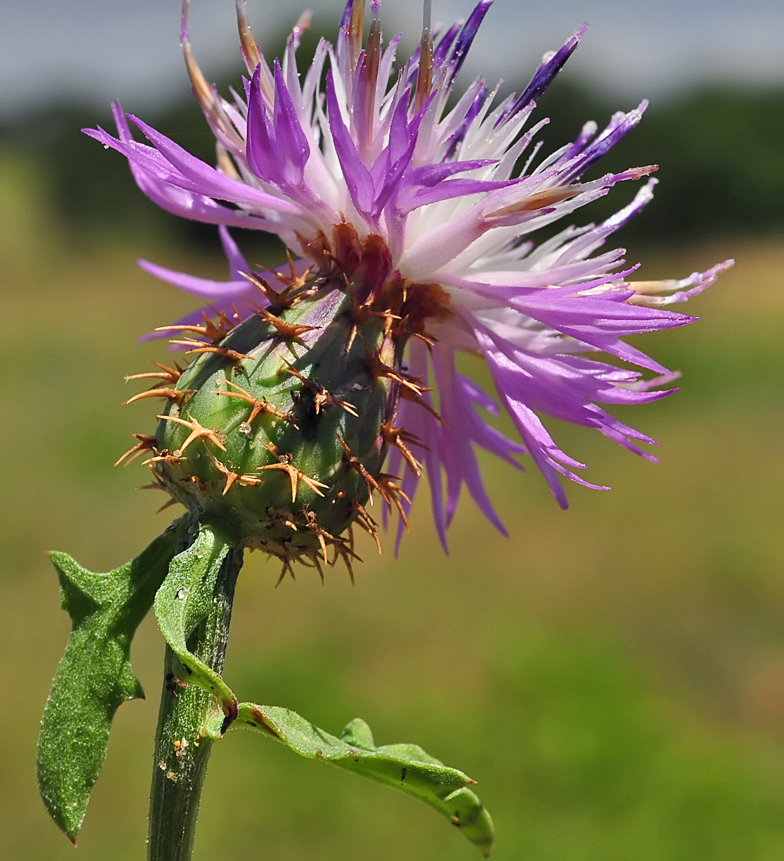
(181, 747)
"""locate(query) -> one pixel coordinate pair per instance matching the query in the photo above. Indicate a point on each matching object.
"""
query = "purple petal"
(600, 320)
(471, 114)
(346, 17)
(237, 263)
(581, 141)
(289, 137)
(464, 40)
(483, 434)
(441, 50)
(145, 164)
(426, 427)
(617, 128)
(544, 75)
(457, 451)
(357, 176)
(203, 287)
(402, 141)
(567, 388)
(550, 459)
(410, 200)
(260, 145)
(211, 182)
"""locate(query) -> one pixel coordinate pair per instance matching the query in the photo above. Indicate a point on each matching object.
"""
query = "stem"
(181, 748)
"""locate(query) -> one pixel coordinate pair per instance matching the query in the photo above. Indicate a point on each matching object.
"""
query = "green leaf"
(94, 675)
(184, 601)
(404, 766)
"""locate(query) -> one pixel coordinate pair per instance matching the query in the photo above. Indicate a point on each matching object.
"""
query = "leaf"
(404, 766)
(94, 675)
(185, 600)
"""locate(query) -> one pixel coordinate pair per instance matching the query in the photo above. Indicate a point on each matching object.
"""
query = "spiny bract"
(280, 427)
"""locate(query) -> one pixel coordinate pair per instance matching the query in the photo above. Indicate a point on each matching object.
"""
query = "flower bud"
(277, 429)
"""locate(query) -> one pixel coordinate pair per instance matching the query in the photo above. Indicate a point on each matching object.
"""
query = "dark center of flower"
(363, 266)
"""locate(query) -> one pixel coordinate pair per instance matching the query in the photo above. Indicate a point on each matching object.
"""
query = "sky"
(128, 49)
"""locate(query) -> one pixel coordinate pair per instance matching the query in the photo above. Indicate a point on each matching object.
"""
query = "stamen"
(355, 29)
(302, 26)
(252, 55)
(205, 94)
(425, 74)
(538, 200)
(225, 164)
(201, 89)
(371, 63)
(250, 50)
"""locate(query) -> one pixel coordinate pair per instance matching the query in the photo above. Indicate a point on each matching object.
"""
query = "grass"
(613, 676)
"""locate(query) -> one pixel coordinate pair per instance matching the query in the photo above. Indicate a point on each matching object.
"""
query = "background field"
(612, 676)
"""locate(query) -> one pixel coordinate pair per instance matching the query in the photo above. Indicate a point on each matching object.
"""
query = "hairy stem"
(181, 747)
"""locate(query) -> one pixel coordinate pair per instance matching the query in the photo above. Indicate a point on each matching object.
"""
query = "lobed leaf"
(94, 675)
(403, 766)
(184, 600)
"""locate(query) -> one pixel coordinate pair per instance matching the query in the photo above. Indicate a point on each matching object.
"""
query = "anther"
(252, 55)
(371, 64)
(355, 29)
(425, 73)
(204, 93)
(538, 200)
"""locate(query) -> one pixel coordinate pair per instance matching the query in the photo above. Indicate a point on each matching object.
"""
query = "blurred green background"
(613, 676)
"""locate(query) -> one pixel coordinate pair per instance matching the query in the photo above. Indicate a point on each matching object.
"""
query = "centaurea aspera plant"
(411, 215)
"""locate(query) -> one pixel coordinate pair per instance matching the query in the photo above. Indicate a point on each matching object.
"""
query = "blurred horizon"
(99, 50)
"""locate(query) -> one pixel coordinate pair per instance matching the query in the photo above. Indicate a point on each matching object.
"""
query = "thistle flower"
(412, 214)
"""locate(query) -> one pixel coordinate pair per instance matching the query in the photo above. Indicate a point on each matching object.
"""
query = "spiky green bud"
(276, 431)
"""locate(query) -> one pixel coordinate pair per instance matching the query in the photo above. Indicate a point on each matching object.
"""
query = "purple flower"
(433, 202)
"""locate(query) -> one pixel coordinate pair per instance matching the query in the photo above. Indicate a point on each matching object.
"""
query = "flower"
(428, 205)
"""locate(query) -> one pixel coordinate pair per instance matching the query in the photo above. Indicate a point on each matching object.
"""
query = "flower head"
(422, 208)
